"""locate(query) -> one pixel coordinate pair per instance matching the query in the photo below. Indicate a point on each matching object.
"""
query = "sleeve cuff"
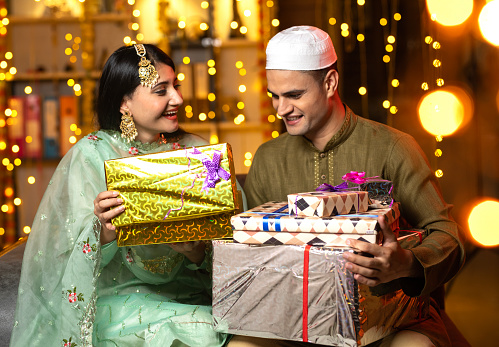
(107, 252)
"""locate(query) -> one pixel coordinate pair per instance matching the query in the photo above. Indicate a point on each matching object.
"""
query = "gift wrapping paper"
(191, 190)
(379, 190)
(325, 204)
(300, 293)
(274, 216)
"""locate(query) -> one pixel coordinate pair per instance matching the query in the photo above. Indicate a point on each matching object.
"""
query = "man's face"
(303, 103)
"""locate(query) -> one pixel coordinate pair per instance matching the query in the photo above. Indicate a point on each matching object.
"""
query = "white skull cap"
(301, 48)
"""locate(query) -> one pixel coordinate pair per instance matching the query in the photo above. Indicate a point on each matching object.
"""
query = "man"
(326, 140)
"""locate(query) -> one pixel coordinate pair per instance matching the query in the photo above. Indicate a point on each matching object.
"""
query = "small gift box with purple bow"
(328, 201)
(181, 195)
(379, 190)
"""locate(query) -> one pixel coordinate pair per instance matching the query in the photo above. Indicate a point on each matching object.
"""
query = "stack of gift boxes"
(283, 276)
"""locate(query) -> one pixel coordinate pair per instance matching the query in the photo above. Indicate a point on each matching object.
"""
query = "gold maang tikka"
(147, 73)
(127, 127)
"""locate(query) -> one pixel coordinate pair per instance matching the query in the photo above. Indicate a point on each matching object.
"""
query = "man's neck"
(336, 121)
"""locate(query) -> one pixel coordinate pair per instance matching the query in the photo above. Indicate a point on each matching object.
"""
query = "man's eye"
(294, 96)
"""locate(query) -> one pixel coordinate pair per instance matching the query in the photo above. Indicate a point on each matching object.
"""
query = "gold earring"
(127, 127)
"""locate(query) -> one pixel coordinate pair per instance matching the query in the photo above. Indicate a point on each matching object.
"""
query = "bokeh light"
(488, 23)
(481, 223)
(450, 12)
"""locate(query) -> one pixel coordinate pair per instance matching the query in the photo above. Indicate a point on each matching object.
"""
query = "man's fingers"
(388, 234)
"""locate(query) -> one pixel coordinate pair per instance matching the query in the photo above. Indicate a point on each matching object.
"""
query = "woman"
(77, 287)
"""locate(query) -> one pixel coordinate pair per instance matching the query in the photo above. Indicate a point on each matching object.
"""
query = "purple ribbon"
(325, 187)
(213, 170)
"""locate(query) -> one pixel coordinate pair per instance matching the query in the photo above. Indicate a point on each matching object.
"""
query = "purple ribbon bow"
(213, 170)
(325, 187)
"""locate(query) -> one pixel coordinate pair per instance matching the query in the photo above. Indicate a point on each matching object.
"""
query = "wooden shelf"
(103, 17)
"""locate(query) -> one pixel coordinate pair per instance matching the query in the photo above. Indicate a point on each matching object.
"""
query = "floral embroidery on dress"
(86, 247)
(69, 343)
(133, 151)
(94, 137)
(129, 256)
(176, 145)
(73, 297)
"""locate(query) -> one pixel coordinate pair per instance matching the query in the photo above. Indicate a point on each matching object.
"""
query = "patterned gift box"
(273, 216)
(379, 190)
(300, 293)
(291, 238)
(181, 195)
(325, 204)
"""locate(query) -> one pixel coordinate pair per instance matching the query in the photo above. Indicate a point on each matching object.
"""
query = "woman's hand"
(192, 250)
(102, 209)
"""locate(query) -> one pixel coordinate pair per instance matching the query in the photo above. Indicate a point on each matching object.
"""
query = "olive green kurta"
(291, 164)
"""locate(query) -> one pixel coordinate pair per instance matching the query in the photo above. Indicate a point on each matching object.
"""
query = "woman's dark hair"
(119, 79)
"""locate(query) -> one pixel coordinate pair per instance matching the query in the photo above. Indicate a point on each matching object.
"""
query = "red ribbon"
(305, 292)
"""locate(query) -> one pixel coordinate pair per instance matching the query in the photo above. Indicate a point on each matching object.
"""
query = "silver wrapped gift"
(289, 292)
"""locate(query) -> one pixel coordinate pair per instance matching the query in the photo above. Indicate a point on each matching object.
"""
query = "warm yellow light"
(242, 88)
(386, 58)
(8, 55)
(234, 24)
(8, 192)
(436, 45)
(428, 40)
(397, 16)
(275, 22)
(181, 76)
(271, 118)
(203, 26)
(210, 63)
(212, 71)
(441, 112)
(68, 51)
(140, 37)
(76, 47)
(205, 5)
(247, 13)
(78, 132)
(438, 152)
(383, 22)
(136, 13)
(248, 155)
(240, 105)
(362, 90)
(135, 26)
(28, 90)
(181, 24)
(481, 223)
(131, 2)
(425, 86)
(127, 40)
(186, 60)
(10, 167)
(2, 231)
(390, 39)
(73, 127)
(243, 29)
(226, 108)
(77, 87)
(3, 64)
(3, 11)
(189, 114)
(332, 21)
(2, 76)
(73, 59)
(3, 145)
(202, 117)
(242, 72)
(439, 138)
(211, 97)
(239, 64)
(213, 139)
(68, 37)
(211, 115)
(361, 2)
(437, 63)
(26, 229)
(17, 162)
(488, 23)
(389, 48)
(17, 201)
(270, 3)
(360, 37)
(450, 12)
(8, 112)
(395, 83)
(72, 139)
(275, 134)
(13, 70)
(247, 163)
(345, 33)
(440, 82)
(77, 40)
(78, 92)
(386, 104)
(344, 26)
(31, 180)
(393, 109)
(439, 173)
(188, 108)
(5, 161)
(5, 208)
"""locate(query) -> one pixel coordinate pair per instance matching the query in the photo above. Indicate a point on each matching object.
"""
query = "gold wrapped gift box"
(181, 195)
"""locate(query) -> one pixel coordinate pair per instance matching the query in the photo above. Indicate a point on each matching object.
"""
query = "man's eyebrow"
(291, 92)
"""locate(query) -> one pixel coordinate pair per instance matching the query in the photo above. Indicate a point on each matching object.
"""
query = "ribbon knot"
(213, 170)
(325, 187)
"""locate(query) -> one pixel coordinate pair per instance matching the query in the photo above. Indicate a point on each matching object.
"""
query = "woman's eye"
(177, 86)
(161, 92)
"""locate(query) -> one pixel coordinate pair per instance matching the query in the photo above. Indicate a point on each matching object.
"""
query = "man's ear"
(331, 82)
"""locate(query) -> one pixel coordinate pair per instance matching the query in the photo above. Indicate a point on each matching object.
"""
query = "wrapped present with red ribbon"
(379, 190)
(181, 195)
(328, 201)
(300, 293)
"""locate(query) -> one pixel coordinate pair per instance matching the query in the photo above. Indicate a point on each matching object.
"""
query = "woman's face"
(154, 110)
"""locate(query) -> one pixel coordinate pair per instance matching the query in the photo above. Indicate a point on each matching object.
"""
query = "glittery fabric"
(71, 285)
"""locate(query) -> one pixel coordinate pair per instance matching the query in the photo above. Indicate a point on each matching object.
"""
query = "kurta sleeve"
(441, 253)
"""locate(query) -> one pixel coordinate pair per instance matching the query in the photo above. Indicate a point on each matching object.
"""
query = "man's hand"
(389, 261)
